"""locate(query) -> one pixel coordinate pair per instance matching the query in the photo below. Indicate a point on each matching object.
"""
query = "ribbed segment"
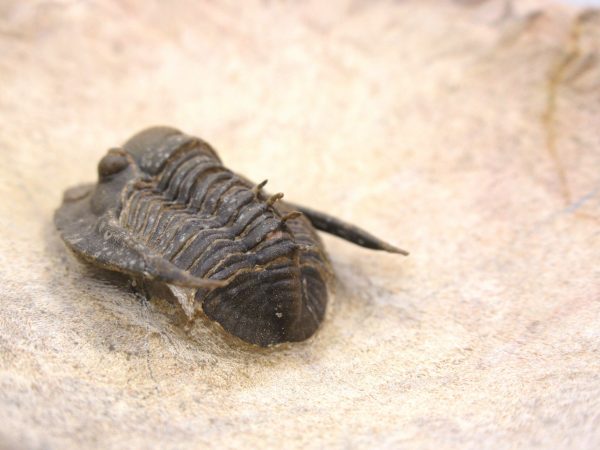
(208, 221)
(279, 303)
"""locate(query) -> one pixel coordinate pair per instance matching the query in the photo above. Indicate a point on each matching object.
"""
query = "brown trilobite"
(165, 210)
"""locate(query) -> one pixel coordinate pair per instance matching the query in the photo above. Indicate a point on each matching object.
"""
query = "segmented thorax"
(214, 224)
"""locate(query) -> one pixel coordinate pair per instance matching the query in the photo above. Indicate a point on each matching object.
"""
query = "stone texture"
(466, 132)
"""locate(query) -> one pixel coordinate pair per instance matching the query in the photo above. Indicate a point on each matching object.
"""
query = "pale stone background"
(583, 2)
(466, 132)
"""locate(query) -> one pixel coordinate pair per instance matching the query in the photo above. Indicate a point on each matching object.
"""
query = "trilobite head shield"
(166, 211)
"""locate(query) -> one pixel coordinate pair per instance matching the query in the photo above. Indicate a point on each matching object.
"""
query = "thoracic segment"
(213, 223)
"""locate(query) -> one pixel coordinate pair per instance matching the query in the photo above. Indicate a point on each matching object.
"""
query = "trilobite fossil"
(166, 212)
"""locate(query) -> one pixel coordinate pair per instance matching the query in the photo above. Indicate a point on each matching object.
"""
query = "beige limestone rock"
(466, 132)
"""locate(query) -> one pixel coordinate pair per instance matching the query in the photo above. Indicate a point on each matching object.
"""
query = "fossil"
(167, 213)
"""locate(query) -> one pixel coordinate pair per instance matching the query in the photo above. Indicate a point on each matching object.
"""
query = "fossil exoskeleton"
(165, 210)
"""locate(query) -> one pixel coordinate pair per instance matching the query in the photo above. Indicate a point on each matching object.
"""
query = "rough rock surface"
(466, 132)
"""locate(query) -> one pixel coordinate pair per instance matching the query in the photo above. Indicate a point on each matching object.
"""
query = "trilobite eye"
(113, 162)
